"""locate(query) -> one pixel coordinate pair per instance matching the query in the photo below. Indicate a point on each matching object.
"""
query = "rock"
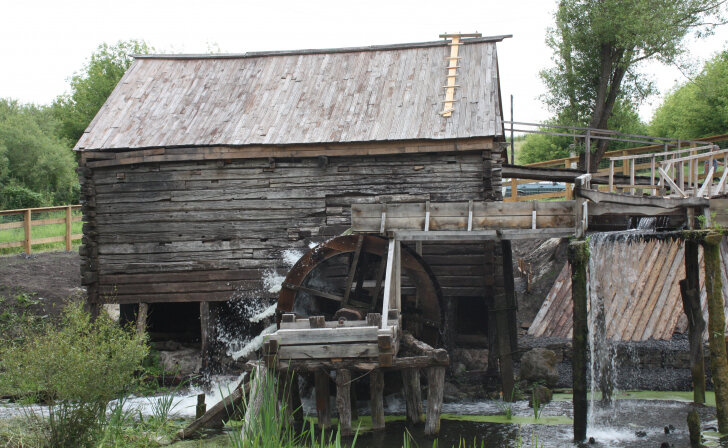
(458, 368)
(538, 365)
(592, 440)
(694, 427)
(541, 395)
(472, 358)
(640, 433)
(185, 361)
(450, 392)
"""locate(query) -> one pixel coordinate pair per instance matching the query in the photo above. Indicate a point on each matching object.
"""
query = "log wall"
(209, 230)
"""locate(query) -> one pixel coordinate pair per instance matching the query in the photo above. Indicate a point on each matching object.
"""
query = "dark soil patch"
(37, 285)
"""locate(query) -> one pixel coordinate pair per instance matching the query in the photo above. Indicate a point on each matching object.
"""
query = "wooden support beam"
(376, 392)
(502, 310)
(716, 326)
(690, 291)
(435, 390)
(141, 319)
(578, 253)
(204, 334)
(343, 401)
(412, 395)
(510, 288)
(321, 386)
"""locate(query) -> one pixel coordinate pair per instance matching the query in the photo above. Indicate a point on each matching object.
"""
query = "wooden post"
(502, 309)
(716, 327)
(26, 227)
(690, 290)
(321, 384)
(141, 321)
(201, 407)
(343, 400)
(514, 189)
(435, 387)
(509, 285)
(204, 336)
(376, 391)
(579, 259)
(68, 228)
(258, 389)
(412, 395)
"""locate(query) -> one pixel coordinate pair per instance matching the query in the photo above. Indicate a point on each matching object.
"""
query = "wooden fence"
(629, 166)
(28, 223)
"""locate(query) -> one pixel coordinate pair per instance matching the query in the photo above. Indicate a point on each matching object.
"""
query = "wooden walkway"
(639, 282)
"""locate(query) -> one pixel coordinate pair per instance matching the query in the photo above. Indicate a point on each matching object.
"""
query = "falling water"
(602, 285)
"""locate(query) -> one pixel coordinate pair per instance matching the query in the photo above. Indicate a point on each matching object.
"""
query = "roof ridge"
(256, 54)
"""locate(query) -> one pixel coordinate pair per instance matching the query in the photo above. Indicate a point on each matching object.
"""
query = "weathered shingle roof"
(300, 97)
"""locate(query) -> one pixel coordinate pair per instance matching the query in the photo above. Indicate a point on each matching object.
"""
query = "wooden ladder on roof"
(452, 70)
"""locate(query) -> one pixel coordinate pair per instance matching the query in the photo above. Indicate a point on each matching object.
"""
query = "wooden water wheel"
(344, 277)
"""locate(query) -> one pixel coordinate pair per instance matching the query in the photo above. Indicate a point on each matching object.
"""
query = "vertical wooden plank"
(68, 228)
(510, 288)
(204, 336)
(388, 283)
(690, 292)
(611, 175)
(141, 321)
(716, 326)
(503, 337)
(321, 385)
(579, 259)
(435, 388)
(398, 276)
(26, 227)
(412, 395)
(514, 189)
(343, 400)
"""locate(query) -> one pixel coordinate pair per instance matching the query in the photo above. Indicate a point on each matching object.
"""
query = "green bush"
(78, 367)
(16, 196)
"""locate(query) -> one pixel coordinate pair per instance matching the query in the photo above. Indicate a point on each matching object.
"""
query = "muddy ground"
(39, 283)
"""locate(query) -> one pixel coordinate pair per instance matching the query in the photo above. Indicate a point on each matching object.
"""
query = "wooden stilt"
(201, 407)
(503, 336)
(716, 327)
(435, 388)
(295, 400)
(343, 400)
(321, 385)
(376, 391)
(412, 395)
(141, 321)
(510, 288)
(204, 334)
(579, 259)
(690, 290)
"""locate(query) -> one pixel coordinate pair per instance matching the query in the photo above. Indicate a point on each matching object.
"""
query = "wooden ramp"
(639, 283)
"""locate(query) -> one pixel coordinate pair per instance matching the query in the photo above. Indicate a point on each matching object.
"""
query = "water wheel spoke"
(352, 270)
(314, 292)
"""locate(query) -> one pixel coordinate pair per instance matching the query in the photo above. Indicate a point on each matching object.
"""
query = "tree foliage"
(697, 108)
(93, 84)
(599, 46)
(33, 159)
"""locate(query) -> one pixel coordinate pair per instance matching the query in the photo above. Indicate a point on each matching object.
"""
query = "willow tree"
(600, 46)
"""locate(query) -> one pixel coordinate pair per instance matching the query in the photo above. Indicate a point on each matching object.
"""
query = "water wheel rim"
(413, 265)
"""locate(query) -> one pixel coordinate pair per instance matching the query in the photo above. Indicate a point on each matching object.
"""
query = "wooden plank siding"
(209, 230)
(640, 289)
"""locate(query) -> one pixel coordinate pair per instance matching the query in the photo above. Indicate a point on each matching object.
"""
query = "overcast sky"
(43, 42)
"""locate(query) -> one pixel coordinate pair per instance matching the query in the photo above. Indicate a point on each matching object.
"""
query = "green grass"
(39, 231)
(651, 395)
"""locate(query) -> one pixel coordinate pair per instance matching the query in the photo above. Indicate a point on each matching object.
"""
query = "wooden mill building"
(200, 170)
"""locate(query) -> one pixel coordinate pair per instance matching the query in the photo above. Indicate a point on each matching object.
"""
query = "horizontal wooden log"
(325, 335)
(410, 362)
(627, 199)
(304, 323)
(359, 350)
(198, 276)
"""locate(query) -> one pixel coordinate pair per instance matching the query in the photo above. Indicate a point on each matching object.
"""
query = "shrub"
(16, 196)
(78, 367)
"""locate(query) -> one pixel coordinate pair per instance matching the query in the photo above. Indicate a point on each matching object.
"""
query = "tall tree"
(600, 45)
(697, 108)
(93, 84)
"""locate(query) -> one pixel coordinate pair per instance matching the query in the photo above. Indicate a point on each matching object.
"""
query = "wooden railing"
(27, 223)
(629, 166)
